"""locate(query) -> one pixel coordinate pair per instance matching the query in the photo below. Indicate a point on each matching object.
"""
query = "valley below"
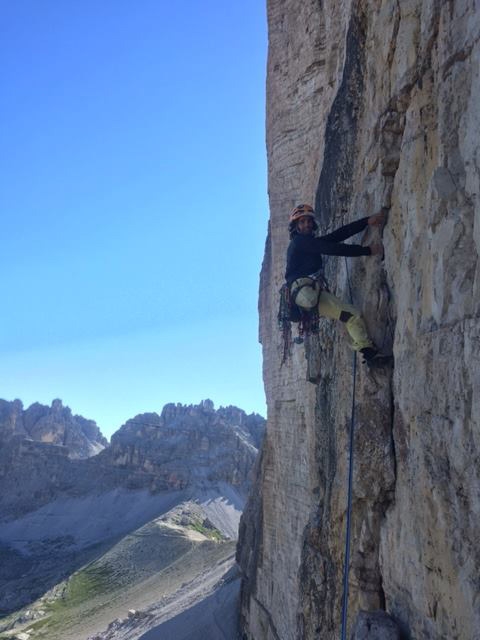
(145, 579)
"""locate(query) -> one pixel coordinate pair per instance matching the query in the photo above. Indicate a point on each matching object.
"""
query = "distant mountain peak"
(54, 425)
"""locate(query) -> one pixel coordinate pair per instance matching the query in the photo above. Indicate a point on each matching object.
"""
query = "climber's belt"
(304, 292)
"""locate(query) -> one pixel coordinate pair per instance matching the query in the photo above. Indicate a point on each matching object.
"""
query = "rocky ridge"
(183, 447)
(52, 425)
(373, 104)
(190, 444)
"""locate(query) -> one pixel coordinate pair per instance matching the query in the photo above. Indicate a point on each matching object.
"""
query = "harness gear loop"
(284, 319)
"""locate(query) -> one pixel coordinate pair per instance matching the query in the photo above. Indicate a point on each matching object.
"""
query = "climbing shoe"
(373, 357)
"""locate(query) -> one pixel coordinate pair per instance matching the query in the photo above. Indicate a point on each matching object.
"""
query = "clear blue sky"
(134, 203)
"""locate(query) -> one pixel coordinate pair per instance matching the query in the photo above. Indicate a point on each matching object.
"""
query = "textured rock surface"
(373, 104)
(190, 444)
(375, 625)
(53, 425)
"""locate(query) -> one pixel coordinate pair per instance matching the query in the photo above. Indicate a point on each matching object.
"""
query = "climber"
(305, 278)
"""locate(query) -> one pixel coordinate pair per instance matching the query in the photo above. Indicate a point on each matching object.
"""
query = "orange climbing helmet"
(301, 211)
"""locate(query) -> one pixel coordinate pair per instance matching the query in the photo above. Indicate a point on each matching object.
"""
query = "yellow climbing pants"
(330, 306)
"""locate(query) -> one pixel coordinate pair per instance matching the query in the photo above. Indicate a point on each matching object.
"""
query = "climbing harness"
(306, 314)
(346, 566)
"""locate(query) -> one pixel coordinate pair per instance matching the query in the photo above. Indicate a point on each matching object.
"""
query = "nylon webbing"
(346, 566)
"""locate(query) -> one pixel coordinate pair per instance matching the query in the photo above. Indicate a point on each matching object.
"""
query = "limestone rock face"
(373, 104)
(54, 425)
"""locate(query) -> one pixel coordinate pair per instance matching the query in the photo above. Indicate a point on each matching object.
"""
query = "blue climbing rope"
(346, 567)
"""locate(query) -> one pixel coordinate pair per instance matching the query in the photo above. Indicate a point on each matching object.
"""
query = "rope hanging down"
(346, 567)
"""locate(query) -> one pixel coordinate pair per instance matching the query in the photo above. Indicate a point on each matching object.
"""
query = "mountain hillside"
(143, 579)
(179, 475)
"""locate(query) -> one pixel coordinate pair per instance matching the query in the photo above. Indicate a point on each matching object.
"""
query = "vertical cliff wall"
(373, 104)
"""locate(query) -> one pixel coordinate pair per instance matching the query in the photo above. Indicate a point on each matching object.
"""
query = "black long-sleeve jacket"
(304, 254)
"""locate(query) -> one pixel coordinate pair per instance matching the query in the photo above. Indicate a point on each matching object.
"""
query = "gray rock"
(51, 425)
(373, 104)
(375, 625)
(155, 452)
